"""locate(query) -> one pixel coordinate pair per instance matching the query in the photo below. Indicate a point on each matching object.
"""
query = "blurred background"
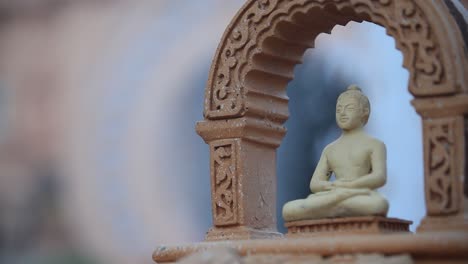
(99, 159)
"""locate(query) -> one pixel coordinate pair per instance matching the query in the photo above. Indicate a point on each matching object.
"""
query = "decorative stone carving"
(227, 95)
(442, 194)
(246, 97)
(347, 225)
(246, 105)
(223, 180)
(241, 165)
(444, 139)
(251, 48)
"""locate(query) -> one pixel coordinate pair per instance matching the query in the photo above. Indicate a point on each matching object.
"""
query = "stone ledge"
(436, 245)
(252, 129)
(239, 233)
(347, 225)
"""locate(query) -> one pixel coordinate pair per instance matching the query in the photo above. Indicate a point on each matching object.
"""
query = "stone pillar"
(243, 176)
(444, 162)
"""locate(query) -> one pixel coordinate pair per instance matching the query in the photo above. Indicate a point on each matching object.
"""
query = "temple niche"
(359, 163)
(246, 107)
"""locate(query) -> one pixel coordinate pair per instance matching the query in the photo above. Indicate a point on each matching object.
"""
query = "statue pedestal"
(347, 225)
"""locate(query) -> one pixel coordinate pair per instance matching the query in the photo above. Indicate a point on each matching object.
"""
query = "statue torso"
(350, 157)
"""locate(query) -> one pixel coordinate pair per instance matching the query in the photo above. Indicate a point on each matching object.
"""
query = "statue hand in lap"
(358, 162)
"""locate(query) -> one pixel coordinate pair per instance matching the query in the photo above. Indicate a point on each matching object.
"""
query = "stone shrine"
(246, 107)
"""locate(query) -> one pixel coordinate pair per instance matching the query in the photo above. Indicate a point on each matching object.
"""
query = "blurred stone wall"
(99, 160)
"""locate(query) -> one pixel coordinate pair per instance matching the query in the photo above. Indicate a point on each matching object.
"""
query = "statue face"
(349, 113)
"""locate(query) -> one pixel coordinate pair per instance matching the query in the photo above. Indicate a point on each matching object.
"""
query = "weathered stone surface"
(437, 246)
(229, 256)
(213, 256)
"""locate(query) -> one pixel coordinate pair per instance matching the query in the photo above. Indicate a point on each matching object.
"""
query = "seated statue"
(358, 162)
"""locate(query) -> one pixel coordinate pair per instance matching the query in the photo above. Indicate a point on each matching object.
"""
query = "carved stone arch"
(254, 43)
(246, 101)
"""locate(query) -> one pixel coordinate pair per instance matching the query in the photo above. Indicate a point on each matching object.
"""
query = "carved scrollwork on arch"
(226, 95)
(244, 39)
(412, 31)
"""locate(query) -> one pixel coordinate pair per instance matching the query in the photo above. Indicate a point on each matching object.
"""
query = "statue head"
(352, 109)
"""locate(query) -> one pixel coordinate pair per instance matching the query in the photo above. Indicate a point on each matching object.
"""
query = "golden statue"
(358, 162)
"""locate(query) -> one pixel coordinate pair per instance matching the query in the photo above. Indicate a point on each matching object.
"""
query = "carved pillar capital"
(440, 106)
(261, 131)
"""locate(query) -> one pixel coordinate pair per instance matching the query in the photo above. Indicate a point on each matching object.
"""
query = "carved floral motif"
(404, 20)
(223, 180)
(227, 95)
(441, 172)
